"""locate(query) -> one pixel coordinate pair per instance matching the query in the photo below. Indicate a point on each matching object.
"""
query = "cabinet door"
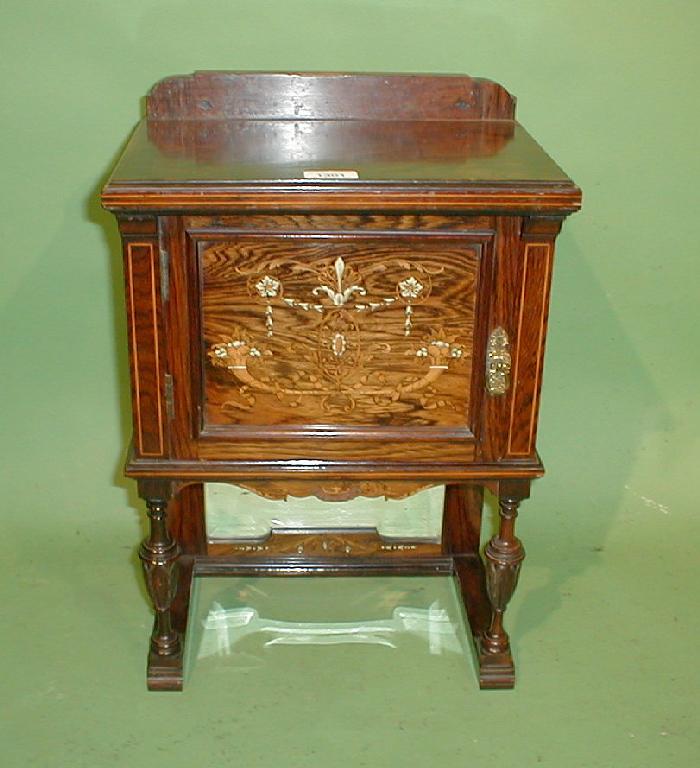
(368, 339)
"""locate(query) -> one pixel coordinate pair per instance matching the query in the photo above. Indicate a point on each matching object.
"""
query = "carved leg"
(504, 555)
(159, 556)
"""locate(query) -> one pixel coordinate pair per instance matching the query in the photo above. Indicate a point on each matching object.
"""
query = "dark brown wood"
(369, 333)
(317, 141)
(186, 517)
(242, 141)
(503, 557)
(327, 96)
(166, 673)
(145, 325)
(334, 490)
(159, 554)
(461, 539)
(325, 566)
(537, 254)
(461, 519)
(353, 544)
(295, 223)
(331, 468)
(537, 198)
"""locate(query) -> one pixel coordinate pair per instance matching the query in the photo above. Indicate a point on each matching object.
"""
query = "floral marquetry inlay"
(347, 333)
(268, 287)
(340, 294)
(410, 288)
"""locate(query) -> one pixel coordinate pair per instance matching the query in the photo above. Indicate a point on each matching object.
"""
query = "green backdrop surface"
(610, 89)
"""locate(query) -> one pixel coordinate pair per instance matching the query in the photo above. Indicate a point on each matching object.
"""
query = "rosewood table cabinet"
(337, 285)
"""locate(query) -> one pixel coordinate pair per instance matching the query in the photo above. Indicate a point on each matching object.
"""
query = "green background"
(605, 621)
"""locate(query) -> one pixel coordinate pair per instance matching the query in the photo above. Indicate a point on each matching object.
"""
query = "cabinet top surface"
(228, 131)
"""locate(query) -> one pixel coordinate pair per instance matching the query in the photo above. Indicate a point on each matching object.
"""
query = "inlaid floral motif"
(338, 356)
(340, 295)
(410, 288)
(268, 287)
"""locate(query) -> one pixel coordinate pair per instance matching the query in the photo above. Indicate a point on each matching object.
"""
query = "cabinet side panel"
(142, 275)
(529, 348)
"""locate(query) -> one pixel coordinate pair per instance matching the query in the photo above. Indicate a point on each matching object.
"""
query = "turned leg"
(159, 554)
(486, 585)
(503, 556)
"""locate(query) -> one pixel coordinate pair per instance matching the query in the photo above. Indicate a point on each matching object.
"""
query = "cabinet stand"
(486, 582)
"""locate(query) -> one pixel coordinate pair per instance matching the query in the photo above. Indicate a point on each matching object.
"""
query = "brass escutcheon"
(498, 362)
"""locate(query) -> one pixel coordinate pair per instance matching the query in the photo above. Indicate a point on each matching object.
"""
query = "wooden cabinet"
(336, 285)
